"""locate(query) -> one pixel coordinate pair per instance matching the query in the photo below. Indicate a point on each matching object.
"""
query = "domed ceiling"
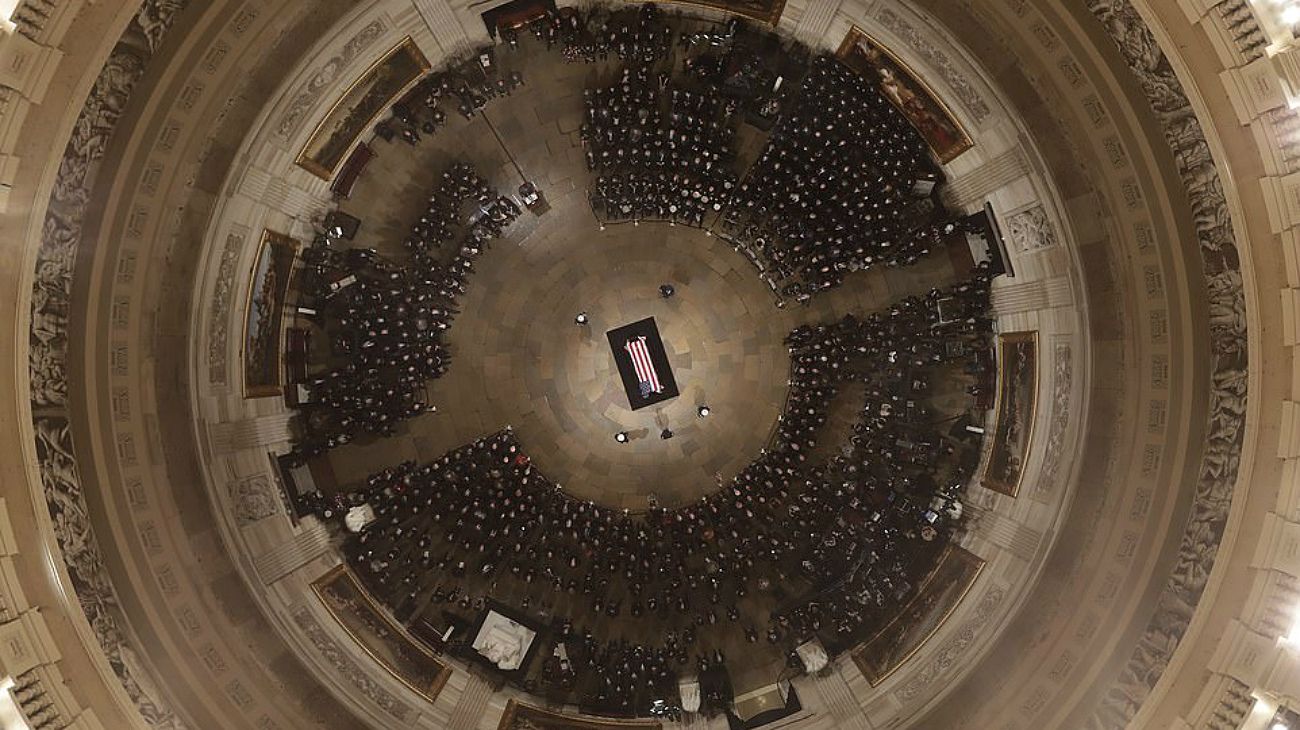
(810, 364)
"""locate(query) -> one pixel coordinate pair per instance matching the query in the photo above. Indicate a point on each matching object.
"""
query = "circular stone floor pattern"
(557, 384)
(519, 360)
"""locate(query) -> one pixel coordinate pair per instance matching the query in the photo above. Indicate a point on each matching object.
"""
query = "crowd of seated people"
(444, 220)
(637, 36)
(832, 192)
(387, 333)
(420, 111)
(802, 544)
(894, 444)
(661, 153)
(385, 320)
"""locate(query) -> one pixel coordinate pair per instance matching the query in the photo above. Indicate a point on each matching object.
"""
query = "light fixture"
(1292, 636)
(621, 437)
(704, 411)
(581, 319)
(11, 717)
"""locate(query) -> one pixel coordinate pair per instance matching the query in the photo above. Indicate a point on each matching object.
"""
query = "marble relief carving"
(956, 646)
(310, 93)
(85, 565)
(219, 319)
(1031, 229)
(1062, 382)
(342, 662)
(61, 231)
(254, 499)
(379, 633)
(936, 59)
(51, 291)
(1218, 471)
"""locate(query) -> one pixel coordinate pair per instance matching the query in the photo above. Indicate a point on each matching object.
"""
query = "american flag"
(645, 368)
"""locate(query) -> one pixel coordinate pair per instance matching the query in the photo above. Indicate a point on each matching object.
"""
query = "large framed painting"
(379, 634)
(519, 716)
(1016, 403)
(264, 315)
(764, 11)
(386, 79)
(908, 92)
(940, 593)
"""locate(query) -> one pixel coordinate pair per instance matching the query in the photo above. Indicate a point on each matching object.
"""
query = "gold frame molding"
(724, 6)
(857, 34)
(304, 158)
(342, 570)
(950, 551)
(268, 238)
(1011, 489)
(572, 722)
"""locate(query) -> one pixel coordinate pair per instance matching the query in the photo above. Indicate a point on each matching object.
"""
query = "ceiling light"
(1293, 636)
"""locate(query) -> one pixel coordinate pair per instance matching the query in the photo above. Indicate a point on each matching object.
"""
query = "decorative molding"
(342, 662)
(88, 573)
(61, 232)
(254, 499)
(1062, 383)
(309, 94)
(283, 559)
(472, 704)
(219, 318)
(1227, 384)
(1032, 296)
(51, 292)
(969, 98)
(442, 23)
(1032, 230)
(956, 646)
(251, 433)
(970, 189)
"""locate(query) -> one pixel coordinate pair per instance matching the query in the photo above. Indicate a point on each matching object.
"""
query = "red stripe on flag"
(641, 362)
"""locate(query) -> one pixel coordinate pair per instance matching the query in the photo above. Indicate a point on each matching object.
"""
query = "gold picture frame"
(764, 11)
(365, 99)
(405, 657)
(908, 92)
(1015, 409)
(898, 641)
(262, 346)
(536, 717)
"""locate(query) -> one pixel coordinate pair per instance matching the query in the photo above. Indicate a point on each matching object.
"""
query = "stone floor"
(518, 357)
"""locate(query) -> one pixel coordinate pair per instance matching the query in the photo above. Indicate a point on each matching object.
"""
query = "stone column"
(279, 193)
(443, 24)
(839, 700)
(26, 68)
(250, 433)
(969, 190)
(285, 558)
(1032, 296)
(471, 706)
(816, 21)
(1005, 532)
